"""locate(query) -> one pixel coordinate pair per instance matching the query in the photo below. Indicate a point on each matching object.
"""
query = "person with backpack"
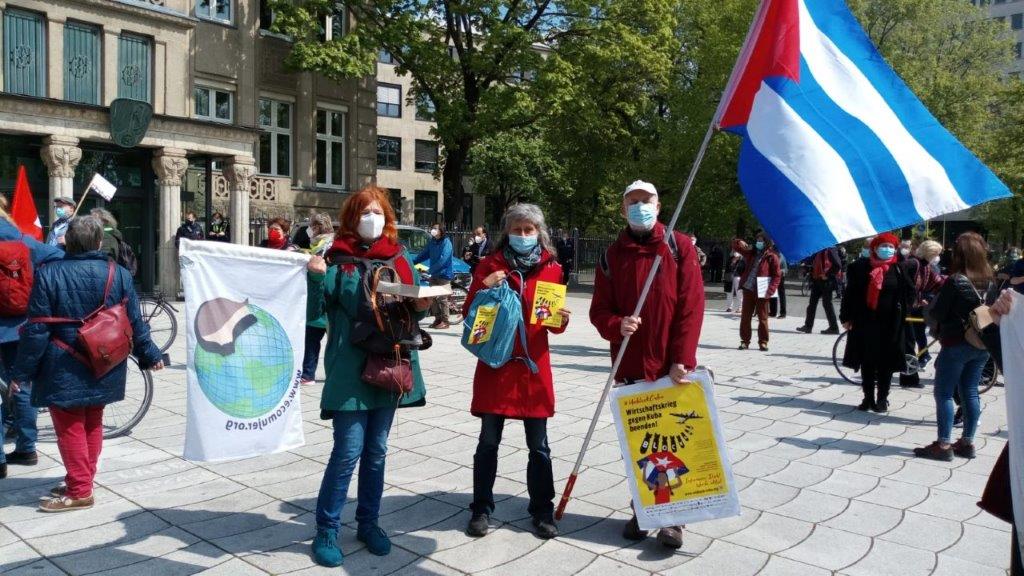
(825, 268)
(21, 257)
(114, 245)
(72, 369)
(438, 252)
(663, 338)
(762, 265)
(361, 413)
(963, 355)
(524, 258)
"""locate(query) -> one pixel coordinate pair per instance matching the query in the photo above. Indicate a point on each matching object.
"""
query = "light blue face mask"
(885, 252)
(642, 215)
(60, 211)
(759, 244)
(522, 244)
(864, 252)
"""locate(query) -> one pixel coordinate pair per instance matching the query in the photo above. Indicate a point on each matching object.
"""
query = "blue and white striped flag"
(835, 145)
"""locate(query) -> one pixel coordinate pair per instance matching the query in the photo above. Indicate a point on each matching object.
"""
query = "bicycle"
(159, 314)
(120, 417)
(989, 374)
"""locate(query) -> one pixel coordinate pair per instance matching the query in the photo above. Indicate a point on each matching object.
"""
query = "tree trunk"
(454, 168)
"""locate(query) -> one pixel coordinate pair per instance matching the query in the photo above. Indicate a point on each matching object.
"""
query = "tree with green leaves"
(486, 65)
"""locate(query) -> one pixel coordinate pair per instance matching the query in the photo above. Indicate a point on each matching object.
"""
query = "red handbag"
(388, 372)
(105, 335)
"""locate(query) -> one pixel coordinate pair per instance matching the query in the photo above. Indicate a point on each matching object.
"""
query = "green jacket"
(344, 391)
(110, 245)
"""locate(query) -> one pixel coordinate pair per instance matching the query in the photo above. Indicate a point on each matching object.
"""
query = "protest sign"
(244, 349)
(674, 452)
(548, 300)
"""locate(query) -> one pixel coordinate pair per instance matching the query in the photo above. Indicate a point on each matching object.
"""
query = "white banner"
(245, 318)
(103, 187)
(677, 465)
(1011, 332)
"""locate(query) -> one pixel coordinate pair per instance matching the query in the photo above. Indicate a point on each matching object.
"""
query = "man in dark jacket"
(477, 249)
(825, 266)
(663, 338)
(71, 289)
(189, 229)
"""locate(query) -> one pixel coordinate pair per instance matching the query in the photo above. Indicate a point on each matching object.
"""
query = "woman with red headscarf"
(879, 293)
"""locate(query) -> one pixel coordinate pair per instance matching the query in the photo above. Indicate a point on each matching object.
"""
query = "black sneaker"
(545, 526)
(963, 449)
(934, 451)
(744, 345)
(804, 329)
(479, 524)
(882, 406)
(23, 458)
(866, 405)
(632, 531)
(832, 331)
(763, 346)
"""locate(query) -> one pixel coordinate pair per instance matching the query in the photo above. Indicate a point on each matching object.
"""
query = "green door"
(81, 63)
(24, 53)
(134, 67)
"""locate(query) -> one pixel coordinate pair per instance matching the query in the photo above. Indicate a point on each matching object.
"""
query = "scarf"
(523, 262)
(875, 278)
(382, 248)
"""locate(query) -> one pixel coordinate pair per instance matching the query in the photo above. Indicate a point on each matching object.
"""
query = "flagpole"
(81, 201)
(571, 482)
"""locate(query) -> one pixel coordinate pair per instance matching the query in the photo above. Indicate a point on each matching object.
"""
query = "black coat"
(877, 336)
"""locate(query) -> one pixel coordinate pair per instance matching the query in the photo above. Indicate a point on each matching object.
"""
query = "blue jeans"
(18, 411)
(540, 481)
(958, 368)
(311, 357)
(359, 436)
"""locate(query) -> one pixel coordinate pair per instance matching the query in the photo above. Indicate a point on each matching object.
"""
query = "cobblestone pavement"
(825, 488)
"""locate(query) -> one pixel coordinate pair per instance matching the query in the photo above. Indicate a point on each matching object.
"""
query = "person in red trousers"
(663, 338)
(71, 289)
(762, 266)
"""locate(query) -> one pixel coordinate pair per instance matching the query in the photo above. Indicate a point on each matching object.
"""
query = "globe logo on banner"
(244, 358)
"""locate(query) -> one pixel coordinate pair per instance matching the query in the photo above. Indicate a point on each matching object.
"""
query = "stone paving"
(825, 489)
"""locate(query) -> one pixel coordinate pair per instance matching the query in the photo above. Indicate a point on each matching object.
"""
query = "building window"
(1017, 50)
(424, 108)
(389, 153)
(335, 24)
(426, 207)
(330, 148)
(134, 76)
(212, 104)
(396, 203)
(1017, 21)
(275, 120)
(385, 57)
(24, 53)
(266, 15)
(219, 10)
(389, 100)
(82, 64)
(426, 156)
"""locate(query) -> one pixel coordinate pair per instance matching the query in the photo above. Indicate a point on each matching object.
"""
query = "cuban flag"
(835, 145)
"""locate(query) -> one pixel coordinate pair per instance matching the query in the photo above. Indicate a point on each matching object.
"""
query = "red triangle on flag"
(23, 207)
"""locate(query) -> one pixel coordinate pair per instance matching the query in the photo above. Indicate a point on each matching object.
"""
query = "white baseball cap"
(641, 185)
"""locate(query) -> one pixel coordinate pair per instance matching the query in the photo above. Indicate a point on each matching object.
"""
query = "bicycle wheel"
(989, 375)
(163, 326)
(837, 359)
(120, 417)
(455, 303)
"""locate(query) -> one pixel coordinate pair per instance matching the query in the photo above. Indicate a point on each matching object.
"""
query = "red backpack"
(15, 278)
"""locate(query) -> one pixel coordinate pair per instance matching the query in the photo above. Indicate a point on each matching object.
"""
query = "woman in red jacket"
(512, 391)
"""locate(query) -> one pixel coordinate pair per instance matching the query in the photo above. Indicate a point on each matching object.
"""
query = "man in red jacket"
(665, 334)
(762, 267)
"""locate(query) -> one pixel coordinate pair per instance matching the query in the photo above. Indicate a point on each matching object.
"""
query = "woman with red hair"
(361, 414)
(879, 292)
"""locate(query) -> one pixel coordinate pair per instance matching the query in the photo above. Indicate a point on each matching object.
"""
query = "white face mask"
(435, 232)
(370, 226)
(478, 239)
(935, 260)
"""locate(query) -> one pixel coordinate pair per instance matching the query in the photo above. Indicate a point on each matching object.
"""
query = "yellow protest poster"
(674, 452)
(483, 325)
(548, 300)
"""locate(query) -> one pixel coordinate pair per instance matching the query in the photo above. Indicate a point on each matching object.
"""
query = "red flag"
(23, 208)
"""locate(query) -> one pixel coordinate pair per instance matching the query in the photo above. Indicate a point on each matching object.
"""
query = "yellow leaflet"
(672, 448)
(548, 300)
(483, 325)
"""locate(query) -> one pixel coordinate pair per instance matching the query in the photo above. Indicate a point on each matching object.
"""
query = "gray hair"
(530, 213)
(322, 222)
(85, 234)
(104, 216)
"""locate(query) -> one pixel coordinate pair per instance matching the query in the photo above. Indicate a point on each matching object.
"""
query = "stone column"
(170, 166)
(61, 155)
(239, 172)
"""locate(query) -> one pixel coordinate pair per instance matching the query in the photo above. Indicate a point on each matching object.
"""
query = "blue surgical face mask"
(642, 215)
(60, 211)
(885, 252)
(759, 244)
(864, 252)
(522, 244)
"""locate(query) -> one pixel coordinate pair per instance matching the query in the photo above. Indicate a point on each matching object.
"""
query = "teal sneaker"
(377, 542)
(325, 548)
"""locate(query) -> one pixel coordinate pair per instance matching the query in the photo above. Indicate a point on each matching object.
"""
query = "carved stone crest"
(129, 120)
